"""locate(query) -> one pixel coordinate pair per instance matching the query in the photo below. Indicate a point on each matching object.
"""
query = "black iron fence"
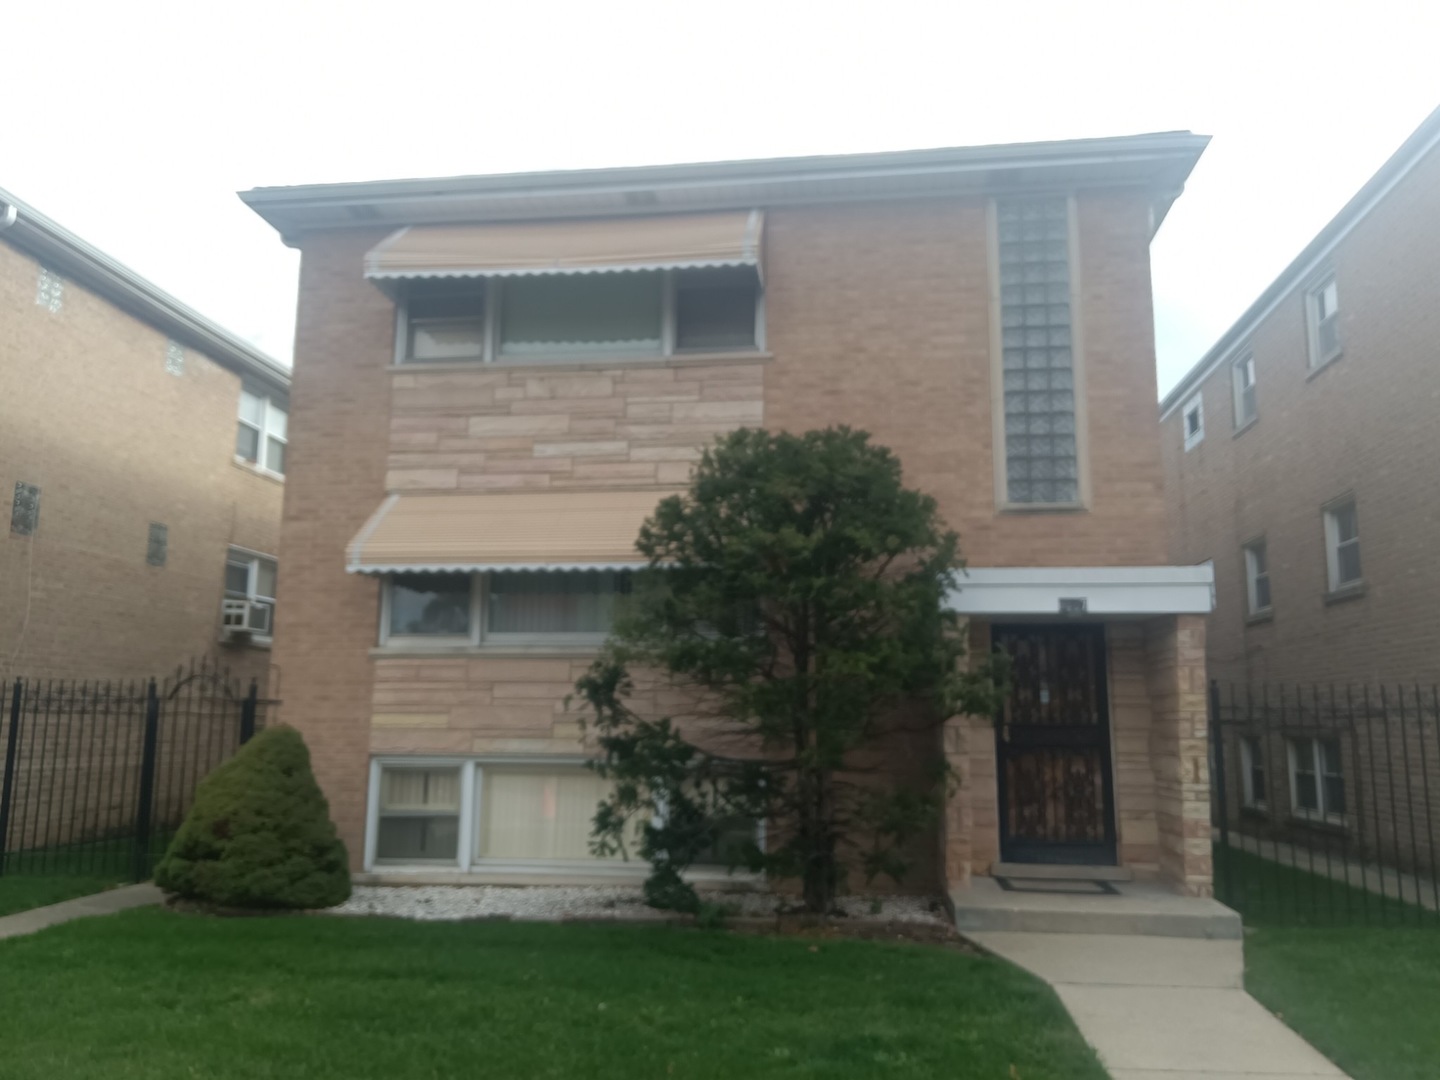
(1326, 802)
(98, 774)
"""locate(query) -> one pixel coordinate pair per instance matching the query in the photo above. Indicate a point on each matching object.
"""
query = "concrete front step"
(1134, 907)
(1047, 872)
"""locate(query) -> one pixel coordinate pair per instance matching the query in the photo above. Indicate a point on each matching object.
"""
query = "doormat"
(1064, 886)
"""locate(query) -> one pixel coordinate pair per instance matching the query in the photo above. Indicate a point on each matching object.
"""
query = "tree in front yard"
(259, 834)
(796, 595)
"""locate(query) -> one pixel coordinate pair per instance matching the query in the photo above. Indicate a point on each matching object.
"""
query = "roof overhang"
(71, 257)
(573, 530)
(1156, 163)
(1085, 591)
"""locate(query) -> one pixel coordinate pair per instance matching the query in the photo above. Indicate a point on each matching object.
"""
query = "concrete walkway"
(105, 903)
(1159, 1008)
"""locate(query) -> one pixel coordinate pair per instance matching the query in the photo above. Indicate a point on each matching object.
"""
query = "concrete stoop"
(1070, 906)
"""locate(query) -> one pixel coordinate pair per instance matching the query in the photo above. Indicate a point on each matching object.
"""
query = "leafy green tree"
(797, 593)
(259, 834)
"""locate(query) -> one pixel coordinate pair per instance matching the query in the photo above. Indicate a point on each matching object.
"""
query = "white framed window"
(1317, 778)
(498, 813)
(1322, 306)
(249, 593)
(1242, 375)
(260, 438)
(1257, 577)
(560, 317)
(1252, 773)
(1342, 545)
(508, 607)
(1192, 420)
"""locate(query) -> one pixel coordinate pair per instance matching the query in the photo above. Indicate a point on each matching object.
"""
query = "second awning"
(551, 531)
(600, 245)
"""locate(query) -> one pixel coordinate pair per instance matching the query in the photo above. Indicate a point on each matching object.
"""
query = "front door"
(1057, 802)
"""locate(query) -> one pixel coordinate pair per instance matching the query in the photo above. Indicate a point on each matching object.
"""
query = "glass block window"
(50, 291)
(25, 510)
(174, 358)
(157, 546)
(1041, 462)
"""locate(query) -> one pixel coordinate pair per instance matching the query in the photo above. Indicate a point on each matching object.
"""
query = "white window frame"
(267, 429)
(493, 291)
(1250, 746)
(1195, 406)
(1321, 812)
(1314, 298)
(1254, 552)
(1243, 379)
(1333, 543)
(468, 860)
(251, 560)
(480, 634)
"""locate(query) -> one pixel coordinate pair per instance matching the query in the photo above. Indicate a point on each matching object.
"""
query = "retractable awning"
(559, 531)
(602, 245)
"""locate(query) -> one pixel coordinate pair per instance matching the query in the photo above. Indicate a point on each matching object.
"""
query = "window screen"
(555, 601)
(715, 309)
(1041, 464)
(580, 314)
(435, 603)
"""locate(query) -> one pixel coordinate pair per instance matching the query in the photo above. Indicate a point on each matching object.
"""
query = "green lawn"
(154, 994)
(1356, 974)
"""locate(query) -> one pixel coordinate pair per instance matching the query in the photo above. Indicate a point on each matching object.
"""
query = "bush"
(259, 834)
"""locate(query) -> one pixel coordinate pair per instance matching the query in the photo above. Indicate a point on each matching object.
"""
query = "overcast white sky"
(134, 124)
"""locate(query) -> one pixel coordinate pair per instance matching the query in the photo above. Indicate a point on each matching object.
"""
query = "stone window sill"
(442, 652)
(258, 470)
(563, 364)
(1353, 591)
(1259, 618)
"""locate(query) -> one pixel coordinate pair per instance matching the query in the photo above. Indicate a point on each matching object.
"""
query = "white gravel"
(556, 902)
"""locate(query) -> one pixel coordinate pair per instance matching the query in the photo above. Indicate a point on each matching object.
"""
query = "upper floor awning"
(574, 530)
(601, 245)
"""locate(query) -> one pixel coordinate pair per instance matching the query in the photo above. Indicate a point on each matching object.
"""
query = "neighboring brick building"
(535, 359)
(1301, 451)
(131, 506)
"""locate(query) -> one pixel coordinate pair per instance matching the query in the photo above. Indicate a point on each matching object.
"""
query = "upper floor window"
(1257, 578)
(1342, 545)
(1252, 772)
(1317, 778)
(261, 436)
(650, 313)
(1192, 417)
(1242, 374)
(503, 607)
(1041, 457)
(1323, 311)
(249, 593)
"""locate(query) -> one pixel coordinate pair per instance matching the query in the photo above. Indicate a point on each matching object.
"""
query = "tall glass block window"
(1041, 463)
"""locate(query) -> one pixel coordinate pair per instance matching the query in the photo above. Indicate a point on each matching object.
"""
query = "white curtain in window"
(436, 790)
(554, 602)
(538, 814)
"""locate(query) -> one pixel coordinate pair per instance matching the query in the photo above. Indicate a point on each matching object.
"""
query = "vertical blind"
(539, 814)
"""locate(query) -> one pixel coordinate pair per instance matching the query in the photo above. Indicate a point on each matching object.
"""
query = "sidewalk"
(1158, 1008)
(105, 903)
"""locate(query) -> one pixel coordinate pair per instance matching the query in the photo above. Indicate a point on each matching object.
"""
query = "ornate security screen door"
(1057, 802)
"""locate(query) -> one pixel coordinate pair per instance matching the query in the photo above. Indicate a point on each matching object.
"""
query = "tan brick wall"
(1365, 425)
(1175, 674)
(877, 316)
(89, 413)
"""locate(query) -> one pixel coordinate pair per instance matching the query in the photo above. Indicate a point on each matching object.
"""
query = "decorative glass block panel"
(157, 546)
(50, 291)
(174, 358)
(25, 510)
(1039, 376)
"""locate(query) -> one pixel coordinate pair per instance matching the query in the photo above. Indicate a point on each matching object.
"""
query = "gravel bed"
(556, 902)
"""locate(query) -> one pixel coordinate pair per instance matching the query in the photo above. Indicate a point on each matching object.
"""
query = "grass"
(1356, 974)
(154, 994)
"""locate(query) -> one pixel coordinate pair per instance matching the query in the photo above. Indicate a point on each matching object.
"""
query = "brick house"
(497, 377)
(1299, 449)
(144, 447)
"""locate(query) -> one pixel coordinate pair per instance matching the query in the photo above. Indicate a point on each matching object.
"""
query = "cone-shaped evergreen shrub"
(259, 834)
